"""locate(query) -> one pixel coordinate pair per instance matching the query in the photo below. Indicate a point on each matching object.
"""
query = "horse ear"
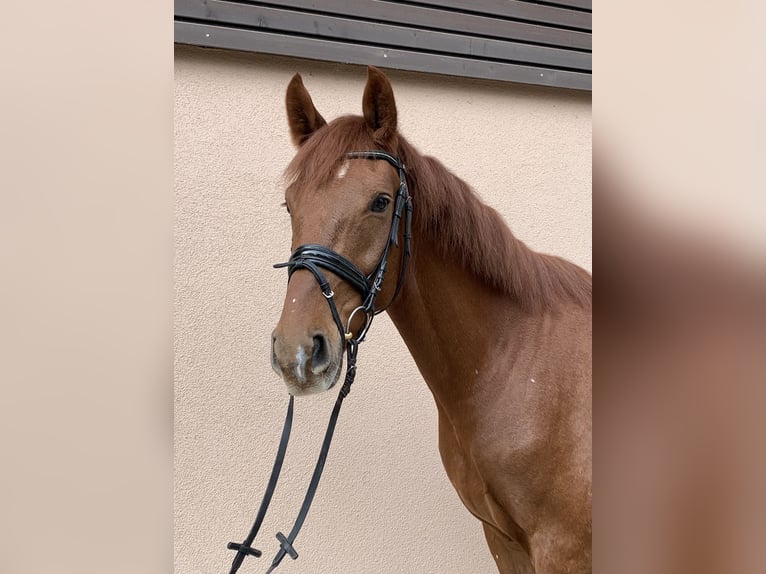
(302, 116)
(379, 106)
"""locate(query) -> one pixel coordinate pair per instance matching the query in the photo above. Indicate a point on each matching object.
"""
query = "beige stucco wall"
(384, 504)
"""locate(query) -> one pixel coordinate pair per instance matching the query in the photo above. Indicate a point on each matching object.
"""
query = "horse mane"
(450, 213)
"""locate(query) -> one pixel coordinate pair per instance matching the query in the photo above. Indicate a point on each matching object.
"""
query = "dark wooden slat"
(432, 18)
(318, 49)
(332, 27)
(553, 15)
(581, 4)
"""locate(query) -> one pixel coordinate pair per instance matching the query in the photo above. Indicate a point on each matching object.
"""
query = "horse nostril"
(274, 360)
(320, 356)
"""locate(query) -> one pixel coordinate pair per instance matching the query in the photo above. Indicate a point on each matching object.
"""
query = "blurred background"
(679, 244)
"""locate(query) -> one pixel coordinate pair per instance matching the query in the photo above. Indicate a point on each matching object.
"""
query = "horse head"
(345, 204)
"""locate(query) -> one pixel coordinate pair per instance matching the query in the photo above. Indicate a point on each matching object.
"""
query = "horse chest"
(486, 481)
(463, 471)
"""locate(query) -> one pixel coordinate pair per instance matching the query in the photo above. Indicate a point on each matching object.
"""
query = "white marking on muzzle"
(300, 365)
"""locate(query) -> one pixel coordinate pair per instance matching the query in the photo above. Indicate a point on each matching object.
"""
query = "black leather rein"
(314, 258)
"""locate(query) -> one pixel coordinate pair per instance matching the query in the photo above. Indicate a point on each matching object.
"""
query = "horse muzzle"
(307, 364)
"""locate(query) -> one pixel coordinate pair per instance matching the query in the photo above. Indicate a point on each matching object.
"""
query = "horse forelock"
(319, 159)
(449, 213)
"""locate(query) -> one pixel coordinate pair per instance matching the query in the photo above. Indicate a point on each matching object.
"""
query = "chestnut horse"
(501, 334)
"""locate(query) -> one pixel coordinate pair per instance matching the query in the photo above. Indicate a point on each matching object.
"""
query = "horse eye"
(287, 207)
(380, 204)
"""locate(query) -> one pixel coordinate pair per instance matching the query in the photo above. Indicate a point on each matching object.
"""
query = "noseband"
(313, 258)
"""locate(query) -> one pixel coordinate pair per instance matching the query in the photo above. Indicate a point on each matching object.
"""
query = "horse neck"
(450, 320)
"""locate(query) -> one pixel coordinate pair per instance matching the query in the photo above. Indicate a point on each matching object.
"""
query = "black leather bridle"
(314, 258)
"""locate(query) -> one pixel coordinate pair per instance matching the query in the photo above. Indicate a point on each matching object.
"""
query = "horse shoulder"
(525, 456)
